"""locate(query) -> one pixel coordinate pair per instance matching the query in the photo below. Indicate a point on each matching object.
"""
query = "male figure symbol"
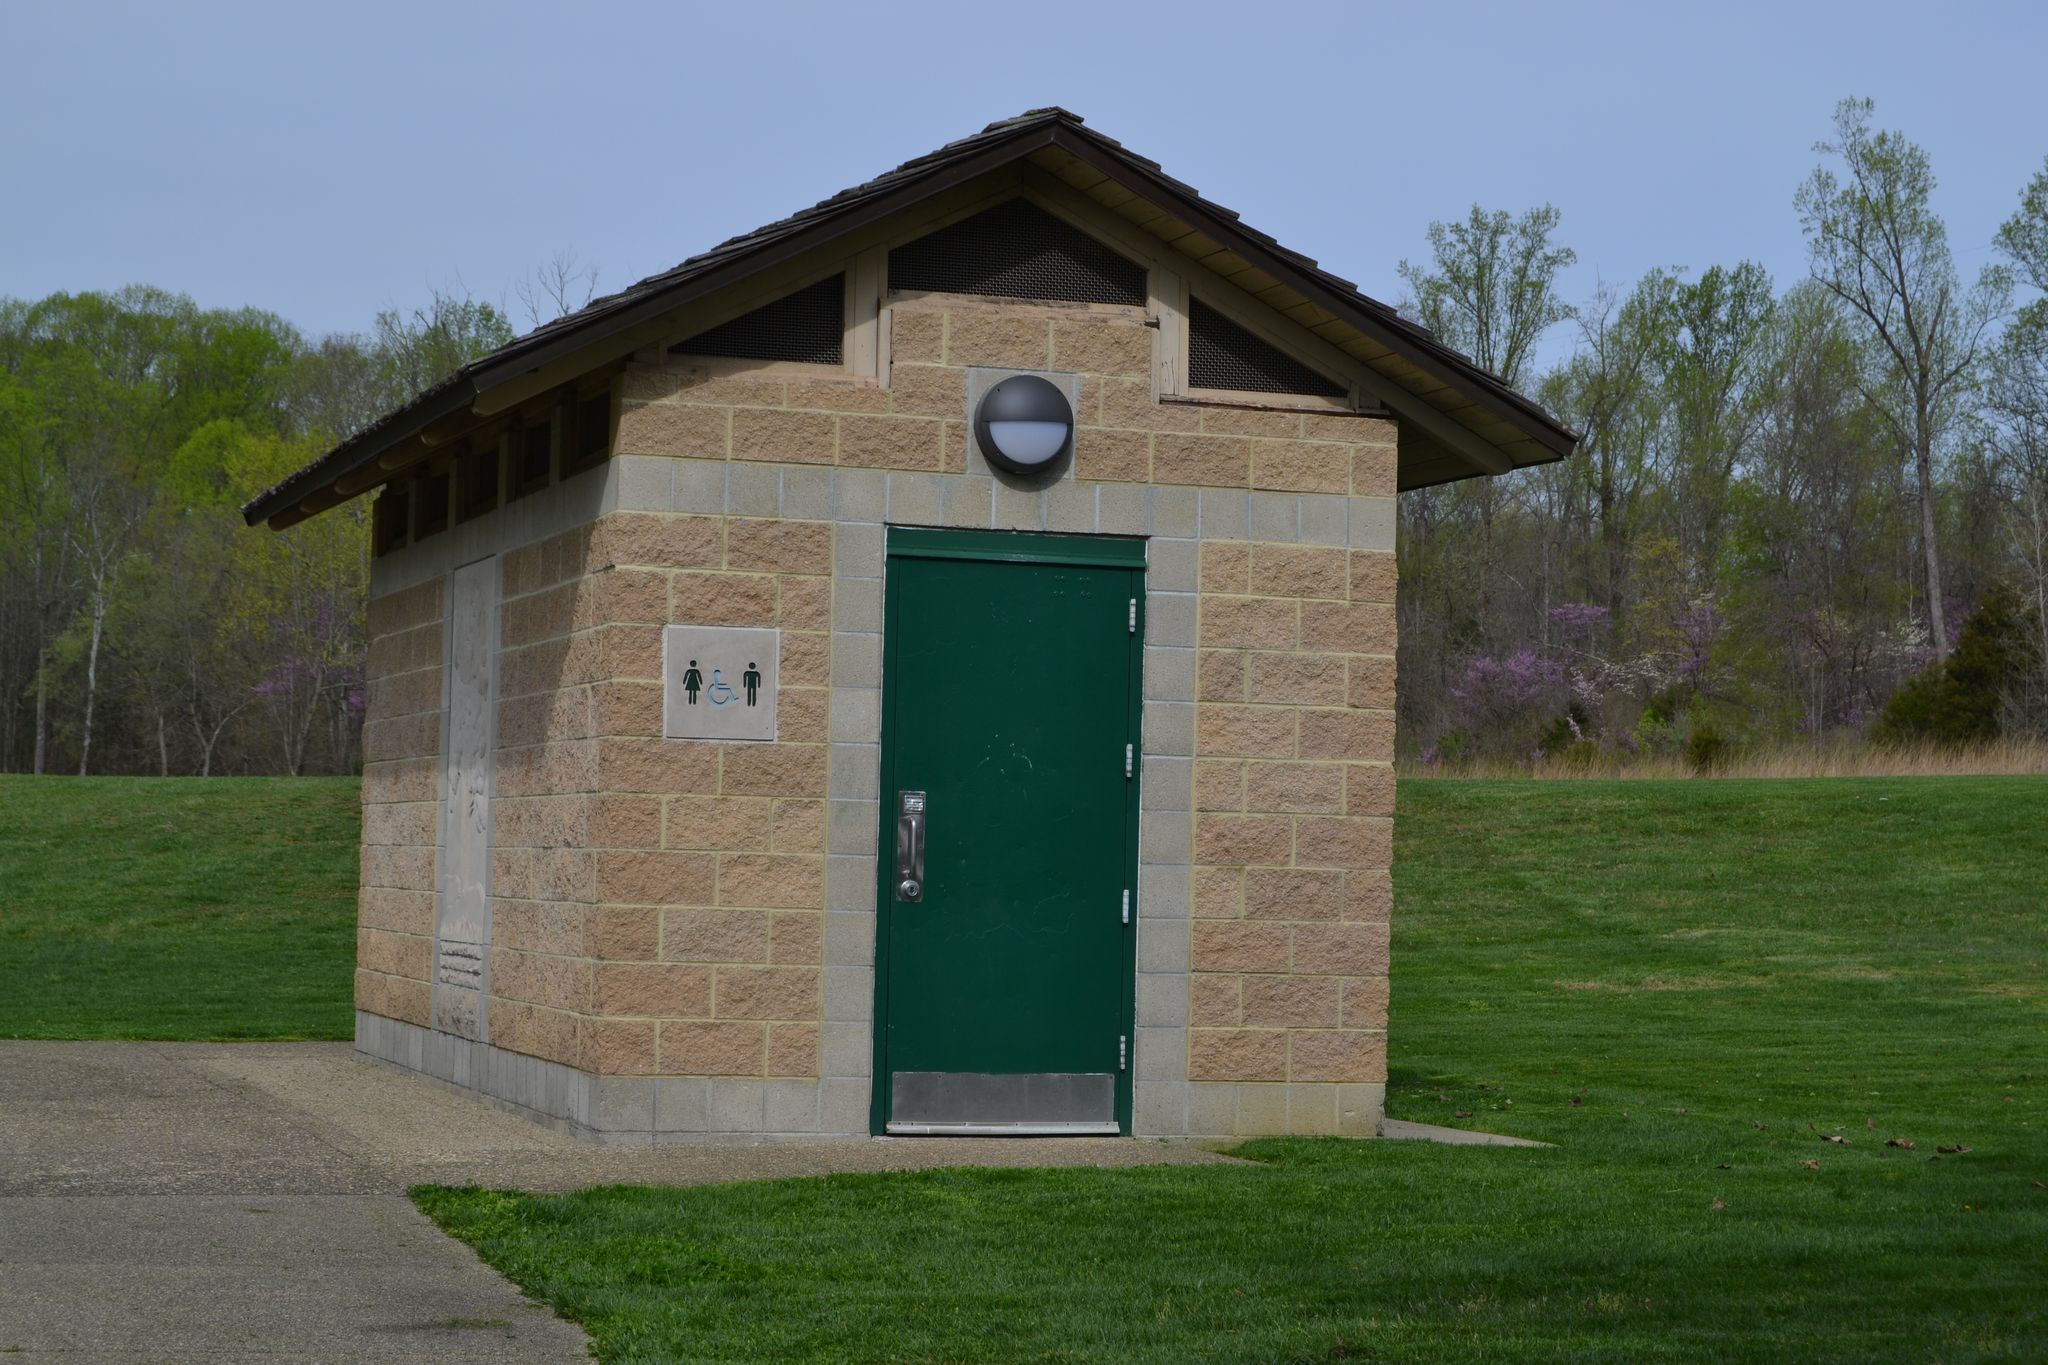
(751, 680)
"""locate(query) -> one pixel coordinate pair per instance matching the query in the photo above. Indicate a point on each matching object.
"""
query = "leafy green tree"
(1959, 699)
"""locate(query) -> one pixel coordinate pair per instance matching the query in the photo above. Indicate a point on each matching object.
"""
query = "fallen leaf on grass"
(1760, 1127)
(1811, 1165)
(1719, 1205)
(1835, 1138)
(1578, 1100)
(1957, 1150)
(1907, 1143)
(1681, 1109)
(1724, 1166)
(1464, 1113)
(1870, 1124)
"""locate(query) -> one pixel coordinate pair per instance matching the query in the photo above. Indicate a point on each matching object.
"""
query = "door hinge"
(1134, 616)
(1127, 905)
(1123, 1052)
(1130, 756)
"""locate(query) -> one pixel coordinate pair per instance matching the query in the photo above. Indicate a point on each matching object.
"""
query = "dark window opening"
(1019, 251)
(807, 326)
(590, 431)
(433, 505)
(480, 480)
(532, 456)
(391, 520)
(1223, 355)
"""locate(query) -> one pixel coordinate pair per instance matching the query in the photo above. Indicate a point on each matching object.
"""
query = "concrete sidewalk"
(230, 1202)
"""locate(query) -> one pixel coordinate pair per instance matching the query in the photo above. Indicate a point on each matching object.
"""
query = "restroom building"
(924, 666)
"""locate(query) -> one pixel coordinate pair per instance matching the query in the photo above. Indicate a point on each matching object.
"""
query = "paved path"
(245, 1202)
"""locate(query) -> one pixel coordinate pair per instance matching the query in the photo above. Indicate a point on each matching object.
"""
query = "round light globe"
(1024, 425)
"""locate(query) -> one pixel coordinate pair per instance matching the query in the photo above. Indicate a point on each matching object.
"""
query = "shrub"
(1957, 700)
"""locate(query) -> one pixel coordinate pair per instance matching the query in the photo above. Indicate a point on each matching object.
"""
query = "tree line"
(1815, 514)
(1807, 514)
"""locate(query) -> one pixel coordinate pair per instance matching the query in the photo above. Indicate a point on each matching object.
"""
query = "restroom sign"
(719, 682)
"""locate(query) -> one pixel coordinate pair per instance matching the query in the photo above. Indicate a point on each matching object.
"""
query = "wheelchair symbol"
(720, 692)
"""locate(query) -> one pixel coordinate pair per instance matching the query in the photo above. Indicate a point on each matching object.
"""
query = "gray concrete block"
(849, 1050)
(1162, 1054)
(914, 499)
(753, 490)
(735, 1106)
(1325, 519)
(1171, 565)
(1162, 1002)
(1167, 784)
(849, 995)
(699, 486)
(1276, 516)
(790, 1107)
(1170, 726)
(850, 883)
(1070, 506)
(1170, 619)
(808, 492)
(863, 495)
(851, 827)
(682, 1104)
(850, 934)
(1162, 945)
(1226, 514)
(1176, 512)
(1159, 1109)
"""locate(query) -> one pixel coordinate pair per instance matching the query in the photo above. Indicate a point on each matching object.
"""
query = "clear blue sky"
(326, 161)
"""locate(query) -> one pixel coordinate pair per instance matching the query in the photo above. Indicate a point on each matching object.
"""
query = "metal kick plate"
(978, 1102)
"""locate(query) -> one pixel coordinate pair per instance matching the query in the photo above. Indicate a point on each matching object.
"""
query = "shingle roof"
(997, 144)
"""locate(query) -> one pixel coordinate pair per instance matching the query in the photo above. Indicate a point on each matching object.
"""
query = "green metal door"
(1009, 772)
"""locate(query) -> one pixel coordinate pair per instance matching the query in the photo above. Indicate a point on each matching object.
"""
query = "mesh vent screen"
(1223, 355)
(1018, 251)
(809, 325)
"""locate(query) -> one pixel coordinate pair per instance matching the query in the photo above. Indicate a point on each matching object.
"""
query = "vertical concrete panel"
(462, 895)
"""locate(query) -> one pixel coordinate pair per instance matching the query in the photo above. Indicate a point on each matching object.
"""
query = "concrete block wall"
(692, 926)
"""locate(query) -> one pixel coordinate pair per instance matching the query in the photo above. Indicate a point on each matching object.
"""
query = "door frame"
(1014, 547)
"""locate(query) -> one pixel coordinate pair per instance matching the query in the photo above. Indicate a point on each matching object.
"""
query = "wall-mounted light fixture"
(1025, 425)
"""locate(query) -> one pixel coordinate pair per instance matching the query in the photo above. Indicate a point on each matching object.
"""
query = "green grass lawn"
(1688, 986)
(184, 908)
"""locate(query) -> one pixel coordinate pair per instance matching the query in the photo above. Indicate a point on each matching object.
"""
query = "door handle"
(910, 846)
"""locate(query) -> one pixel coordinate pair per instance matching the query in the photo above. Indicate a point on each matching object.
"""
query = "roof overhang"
(1457, 421)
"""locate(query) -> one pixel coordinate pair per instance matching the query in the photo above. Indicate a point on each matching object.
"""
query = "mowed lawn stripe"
(1689, 986)
(177, 908)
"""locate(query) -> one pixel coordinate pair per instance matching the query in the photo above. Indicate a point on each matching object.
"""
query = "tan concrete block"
(803, 603)
(891, 442)
(395, 911)
(1348, 628)
(672, 429)
(723, 599)
(1219, 784)
(769, 993)
(1226, 567)
(1211, 461)
(659, 990)
(1340, 949)
(1374, 575)
(1375, 471)
(837, 395)
(1216, 1054)
(720, 824)
(1214, 1000)
(796, 939)
(1343, 841)
(404, 609)
(622, 933)
(538, 927)
(772, 435)
(927, 390)
(1365, 1002)
(1106, 455)
(1350, 427)
(1244, 731)
(627, 651)
(1218, 893)
(916, 335)
(1291, 788)
(1129, 403)
(1220, 675)
(656, 541)
(773, 881)
(1229, 945)
(1368, 893)
(798, 827)
(1251, 622)
(1368, 789)
(803, 547)
(1301, 466)
(618, 1047)
(803, 715)
(642, 877)
(806, 659)
(1100, 344)
(1243, 839)
(1360, 736)
(1371, 682)
(1298, 679)
(1286, 893)
(408, 955)
(627, 708)
(693, 382)
(696, 1048)
(1337, 1056)
(714, 936)
(1298, 571)
(1291, 1002)
(793, 1050)
(1229, 420)
(656, 765)
(774, 770)
(535, 1031)
(999, 339)
(394, 997)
